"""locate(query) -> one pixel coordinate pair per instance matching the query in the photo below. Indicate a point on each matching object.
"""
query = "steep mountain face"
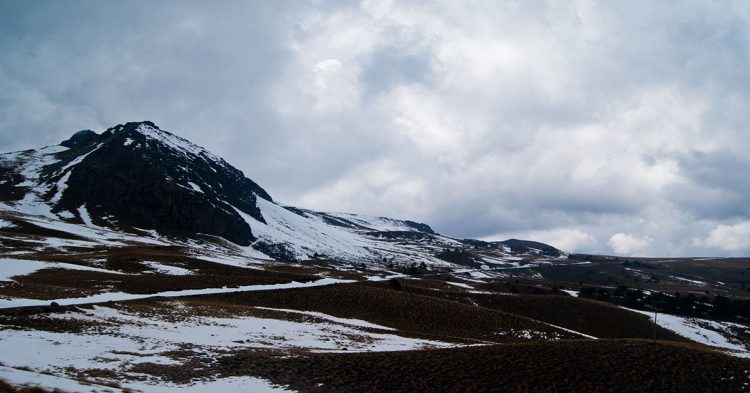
(136, 177)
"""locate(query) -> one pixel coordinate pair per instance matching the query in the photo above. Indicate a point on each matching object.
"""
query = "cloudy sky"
(613, 127)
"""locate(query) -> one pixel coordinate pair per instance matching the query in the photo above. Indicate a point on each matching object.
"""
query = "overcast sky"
(614, 127)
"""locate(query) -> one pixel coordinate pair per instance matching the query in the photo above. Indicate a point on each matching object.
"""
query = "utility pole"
(654, 326)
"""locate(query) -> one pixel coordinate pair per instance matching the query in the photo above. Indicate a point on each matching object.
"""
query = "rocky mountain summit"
(136, 177)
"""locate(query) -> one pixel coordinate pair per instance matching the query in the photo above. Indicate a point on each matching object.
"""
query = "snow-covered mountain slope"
(138, 179)
(133, 175)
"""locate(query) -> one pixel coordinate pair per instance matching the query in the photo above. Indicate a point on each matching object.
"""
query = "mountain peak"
(136, 176)
(82, 137)
(132, 125)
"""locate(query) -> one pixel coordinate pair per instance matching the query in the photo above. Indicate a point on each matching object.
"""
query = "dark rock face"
(524, 245)
(404, 235)
(460, 257)
(144, 177)
(516, 246)
(10, 191)
(420, 227)
(83, 137)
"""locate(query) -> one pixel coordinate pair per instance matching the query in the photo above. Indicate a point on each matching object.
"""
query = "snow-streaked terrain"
(305, 237)
(122, 296)
(10, 268)
(167, 269)
(18, 377)
(118, 339)
(712, 333)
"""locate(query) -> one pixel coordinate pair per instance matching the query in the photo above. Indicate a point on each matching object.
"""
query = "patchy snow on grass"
(10, 268)
(54, 351)
(704, 331)
(16, 377)
(168, 269)
(343, 321)
(117, 339)
(223, 385)
(252, 258)
(85, 216)
(386, 277)
(573, 331)
(122, 296)
(458, 284)
(477, 274)
(322, 333)
(6, 224)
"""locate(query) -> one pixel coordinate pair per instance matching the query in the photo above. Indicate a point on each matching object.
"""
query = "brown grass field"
(595, 318)
(410, 313)
(557, 366)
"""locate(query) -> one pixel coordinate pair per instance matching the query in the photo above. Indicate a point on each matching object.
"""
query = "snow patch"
(61, 185)
(168, 269)
(66, 215)
(122, 296)
(570, 292)
(195, 187)
(16, 377)
(10, 268)
(178, 144)
(78, 159)
(375, 223)
(458, 284)
(694, 282)
(85, 216)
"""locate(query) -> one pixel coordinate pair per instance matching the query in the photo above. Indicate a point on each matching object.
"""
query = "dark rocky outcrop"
(83, 137)
(143, 177)
(520, 246)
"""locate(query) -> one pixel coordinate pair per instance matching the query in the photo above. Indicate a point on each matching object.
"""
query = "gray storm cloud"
(613, 127)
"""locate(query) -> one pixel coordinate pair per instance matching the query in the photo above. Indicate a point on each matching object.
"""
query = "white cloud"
(628, 244)
(730, 238)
